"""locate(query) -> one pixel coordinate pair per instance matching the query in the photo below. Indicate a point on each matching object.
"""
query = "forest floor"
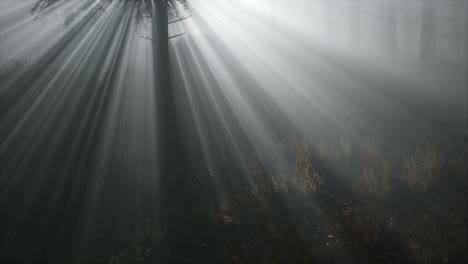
(324, 228)
(379, 218)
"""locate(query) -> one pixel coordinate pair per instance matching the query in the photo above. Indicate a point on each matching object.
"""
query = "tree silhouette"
(171, 202)
(174, 196)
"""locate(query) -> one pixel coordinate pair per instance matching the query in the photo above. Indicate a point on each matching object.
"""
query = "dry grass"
(428, 242)
(369, 151)
(335, 151)
(306, 175)
(375, 176)
(421, 168)
(360, 225)
(369, 171)
(372, 172)
(308, 179)
(376, 180)
(281, 182)
(460, 169)
(302, 176)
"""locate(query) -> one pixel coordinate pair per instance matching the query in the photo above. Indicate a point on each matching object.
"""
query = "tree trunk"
(356, 23)
(391, 31)
(172, 197)
(329, 10)
(427, 29)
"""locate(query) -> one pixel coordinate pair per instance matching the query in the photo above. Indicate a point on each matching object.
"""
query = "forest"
(233, 131)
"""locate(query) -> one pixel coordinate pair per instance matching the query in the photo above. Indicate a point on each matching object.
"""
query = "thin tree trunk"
(329, 20)
(356, 23)
(391, 31)
(427, 29)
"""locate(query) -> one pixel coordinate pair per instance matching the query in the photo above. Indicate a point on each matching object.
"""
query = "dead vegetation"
(422, 167)
(277, 220)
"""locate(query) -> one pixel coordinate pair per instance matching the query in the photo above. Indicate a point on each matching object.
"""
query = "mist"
(222, 131)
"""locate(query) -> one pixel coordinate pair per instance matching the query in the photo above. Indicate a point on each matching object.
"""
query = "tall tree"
(427, 29)
(329, 14)
(355, 23)
(391, 27)
(174, 198)
(170, 197)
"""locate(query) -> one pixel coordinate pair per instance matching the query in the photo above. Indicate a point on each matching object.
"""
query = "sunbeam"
(233, 131)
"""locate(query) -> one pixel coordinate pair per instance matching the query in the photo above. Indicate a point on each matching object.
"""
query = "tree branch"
(180, 19)
(175, 36)
(146, 37)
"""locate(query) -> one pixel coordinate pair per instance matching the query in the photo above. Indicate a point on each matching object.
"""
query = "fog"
(81, 122)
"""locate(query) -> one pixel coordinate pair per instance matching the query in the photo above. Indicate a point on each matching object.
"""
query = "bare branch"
(146, 37)
(180, 19)
(175, 36)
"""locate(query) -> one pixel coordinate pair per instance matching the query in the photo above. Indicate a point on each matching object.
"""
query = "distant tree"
(356, 22)
(427, 29)
(391, 27)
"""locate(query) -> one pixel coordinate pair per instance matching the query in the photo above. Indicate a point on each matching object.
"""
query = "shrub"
(308, 179)
(421, 168)
(376, 180)
(301, 174)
